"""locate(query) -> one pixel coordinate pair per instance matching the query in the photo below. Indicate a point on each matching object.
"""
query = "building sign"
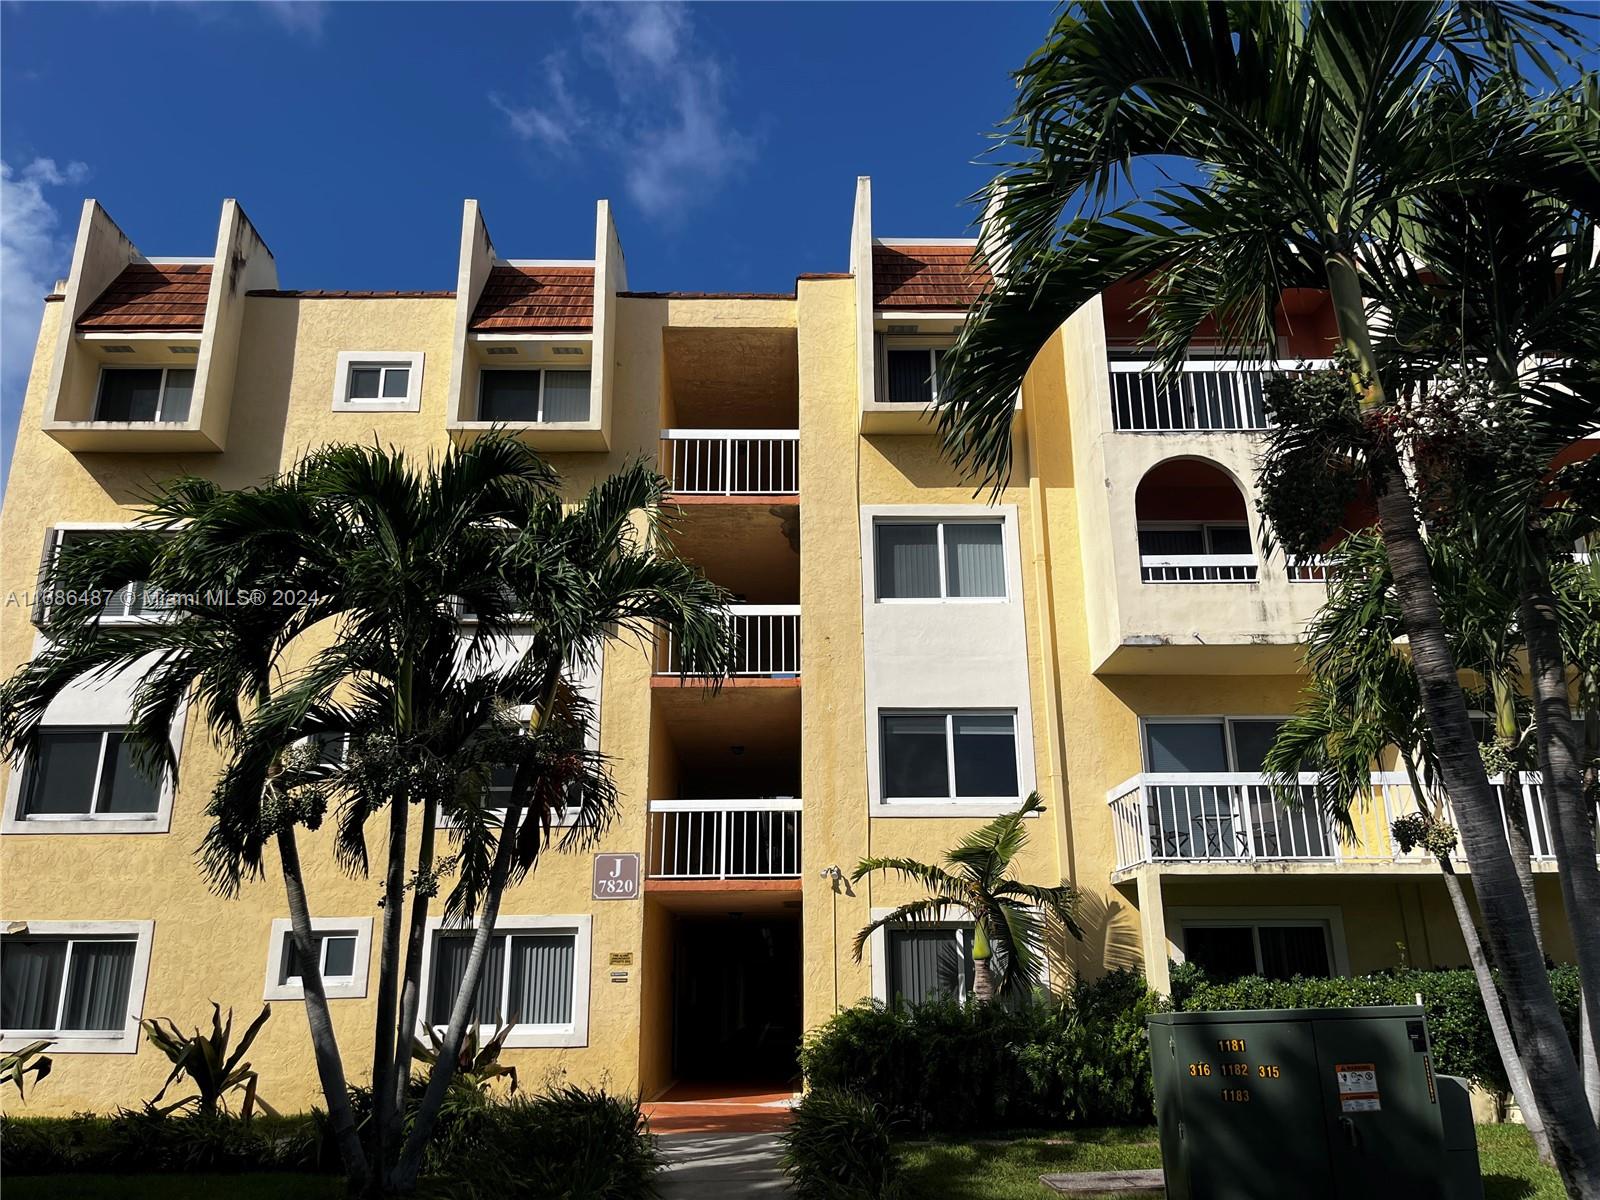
(1358, 1087)
(616, 877)
(622, 958)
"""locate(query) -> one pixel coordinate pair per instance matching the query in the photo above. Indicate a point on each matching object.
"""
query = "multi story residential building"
(915, 658)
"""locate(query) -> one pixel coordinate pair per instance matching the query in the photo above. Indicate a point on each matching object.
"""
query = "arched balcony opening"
(1193, 525)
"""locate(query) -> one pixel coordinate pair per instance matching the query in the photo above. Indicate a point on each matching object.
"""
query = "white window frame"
(160, 821)
(161, 399)
(350, 359)
(541, 371)
(944, 596)
(53, 539)
(353, 987)
(573, 1034)
(1330, 917)
(1226, 720)
(949, 715)
(93, 1041)
(901, 342)
(1205, 528)
(951, 916)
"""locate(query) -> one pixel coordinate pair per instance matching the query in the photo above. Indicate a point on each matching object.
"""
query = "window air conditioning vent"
(118, 349)
(500, 350)
(566, 350)
(184, 349)
(902, 329)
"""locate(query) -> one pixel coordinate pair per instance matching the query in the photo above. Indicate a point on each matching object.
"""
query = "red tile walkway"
(720, 1108)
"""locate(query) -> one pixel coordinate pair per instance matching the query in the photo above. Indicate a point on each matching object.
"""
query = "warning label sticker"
(1358, 1087)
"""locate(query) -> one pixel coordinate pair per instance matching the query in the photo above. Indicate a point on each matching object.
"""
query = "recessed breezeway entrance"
(736, 998)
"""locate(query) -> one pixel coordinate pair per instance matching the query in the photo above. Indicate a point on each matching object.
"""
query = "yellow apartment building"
(914, 657)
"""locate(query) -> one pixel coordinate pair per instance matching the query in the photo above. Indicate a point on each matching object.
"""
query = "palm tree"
(1315, 127)
(1010, 919)
(376, 559)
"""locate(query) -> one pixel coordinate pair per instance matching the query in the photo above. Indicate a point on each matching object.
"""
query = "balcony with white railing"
(1239, 819)
(1198, 568)
(1204, 396)
(731, 462)
(1309, 570)
(766, 644)
(724, 839)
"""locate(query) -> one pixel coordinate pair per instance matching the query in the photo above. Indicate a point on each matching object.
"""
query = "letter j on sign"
(616, 877)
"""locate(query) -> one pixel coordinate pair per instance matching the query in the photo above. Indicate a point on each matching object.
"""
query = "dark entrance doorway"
(736, 999)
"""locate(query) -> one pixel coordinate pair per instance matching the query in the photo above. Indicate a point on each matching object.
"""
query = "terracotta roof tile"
(707, 295)
(152, 296)
(926, 277)
(326, 294)
(517, 299)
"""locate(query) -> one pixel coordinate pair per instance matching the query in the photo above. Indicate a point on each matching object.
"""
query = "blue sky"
(727, 136)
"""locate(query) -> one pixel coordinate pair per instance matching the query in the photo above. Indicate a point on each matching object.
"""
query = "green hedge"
(1462, 1043)
(838, 1147)
(947, 1068)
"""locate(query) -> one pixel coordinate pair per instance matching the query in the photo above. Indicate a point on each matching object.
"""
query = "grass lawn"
(275, 1186)
(1009, 1169)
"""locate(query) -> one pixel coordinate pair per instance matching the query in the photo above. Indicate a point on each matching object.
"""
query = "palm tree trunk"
(385, 1118)
(1530, 1001)
(1517, 834)
(324, 1045)
(411, 985)
(403, 1178)
(1571, 828)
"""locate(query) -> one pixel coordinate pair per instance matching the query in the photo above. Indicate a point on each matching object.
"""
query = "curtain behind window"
(126, 788)
(97, 989)
(450, 952)
(975, 562)
(30, 983)
(61, 775)
(910, 377)
(926, 964)
(907, 561)
(1290, 950)
(541, 979)
(566, 396)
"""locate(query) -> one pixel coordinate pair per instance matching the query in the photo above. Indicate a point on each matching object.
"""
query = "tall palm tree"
(1010, 919)
(375, 558)
(1313, 126)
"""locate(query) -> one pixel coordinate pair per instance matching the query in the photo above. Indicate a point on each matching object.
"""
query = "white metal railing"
(1205, 396)
(1309, 570)
(766, 642)
(1197, 568)
(731, 462)
(724, 839)
(1234, 817)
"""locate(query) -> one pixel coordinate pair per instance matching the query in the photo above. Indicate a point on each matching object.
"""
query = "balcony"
(767, 644)
(1203, 397)
(724, 839)
(731, 462)
(1235, 819)
(1197, 568)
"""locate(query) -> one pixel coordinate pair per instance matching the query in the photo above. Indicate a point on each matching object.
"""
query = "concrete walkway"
(721, 1166)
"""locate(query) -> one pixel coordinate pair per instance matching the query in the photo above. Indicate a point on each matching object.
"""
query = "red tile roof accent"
(926, 278)
(154, 297)
(519, 299)
(825, 275)
(324, 294)
(707, 295)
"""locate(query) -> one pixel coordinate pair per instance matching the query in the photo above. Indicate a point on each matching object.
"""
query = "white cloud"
(35, 251)
(303, 17)
(660, 111)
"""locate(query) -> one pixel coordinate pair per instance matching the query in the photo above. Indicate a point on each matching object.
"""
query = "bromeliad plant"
(18, 1064)
(204, 1060)
(1010, 919)
(476, 1066)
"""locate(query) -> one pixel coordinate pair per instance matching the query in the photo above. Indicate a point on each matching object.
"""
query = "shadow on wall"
(1110, 935)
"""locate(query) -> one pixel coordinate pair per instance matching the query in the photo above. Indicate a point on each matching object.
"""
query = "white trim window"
(132, 394)
(939, 560)
(344, 951)
(911, 371)
(78, 983)
(1273, 948)
(534, 395)
(126, 606)
(86, 773)
(925, 963)
(1166, 539)
(537, 979)
(378, 381)
(929, 754)
(1207, 745)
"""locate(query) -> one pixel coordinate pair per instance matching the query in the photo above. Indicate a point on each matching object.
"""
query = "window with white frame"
(538, 396)
(144, 394)
(81, 984)
(939, 560)
(1275, 949)
(912, 373)
(934, 755)
(928, 963)
(378, 381)
(343, 949)
(1208, 745)
(535, 979)
(134, 602)
(1168, 539)
(79, 773)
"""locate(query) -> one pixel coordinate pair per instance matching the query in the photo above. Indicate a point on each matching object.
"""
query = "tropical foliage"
(206, 1063)
(16, 1065)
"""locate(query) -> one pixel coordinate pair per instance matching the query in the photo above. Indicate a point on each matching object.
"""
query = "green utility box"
(1318, 1104)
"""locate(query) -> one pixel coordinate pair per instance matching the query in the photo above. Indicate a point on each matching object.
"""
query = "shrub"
(838, 1147)
(948, 1068)
(150, 1141)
